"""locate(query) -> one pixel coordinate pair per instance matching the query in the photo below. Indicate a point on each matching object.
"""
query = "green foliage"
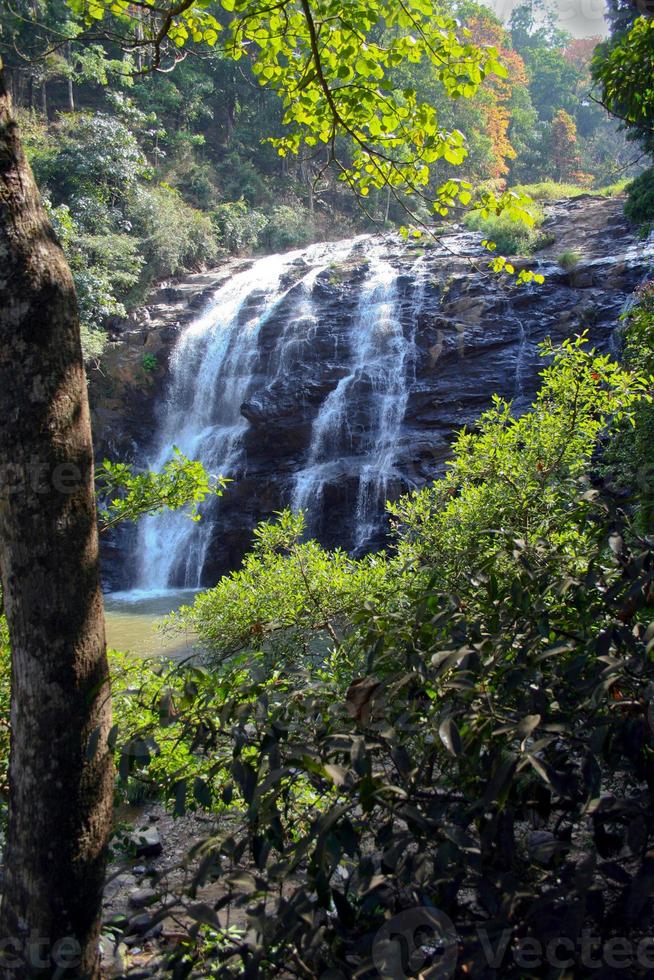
(85, 167)
(497, 675)
(551, 190)
(175, 237)
(394, 138)
(289, 595)
(420, 787)
(519, 476)
(640, 198)
(104, 267)
(238, 226)
(119, 233)
(127, 495)
(287, 227)
(94, 156)
(568, 260)
(509, 237)
(149, 363)
(629, 456)
(241, 228)
(147, 694)
(620, 65)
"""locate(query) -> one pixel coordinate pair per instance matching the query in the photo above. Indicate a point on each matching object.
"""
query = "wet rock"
(113, 957)
(467, 337)
(147, 843)
(139, 924)
(542, 846)
(142, 897)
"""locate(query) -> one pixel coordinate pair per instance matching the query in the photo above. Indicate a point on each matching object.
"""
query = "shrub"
(238, 226)
(242, 229)
(518, 475)
(105, 268)
(569, 260)
(288, 227)
(94, 154)
(478, 749)
(420, 789)
(289, 595)
(511, 237)
(175, 236)
(628, 463)
(640, 198)
(551, 190)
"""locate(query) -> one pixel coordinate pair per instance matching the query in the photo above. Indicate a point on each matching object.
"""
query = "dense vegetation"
(462, 724)
(452, 738)
(147, 180)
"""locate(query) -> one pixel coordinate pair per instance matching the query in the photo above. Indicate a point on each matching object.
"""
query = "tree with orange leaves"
(565, 152)
(487, 31)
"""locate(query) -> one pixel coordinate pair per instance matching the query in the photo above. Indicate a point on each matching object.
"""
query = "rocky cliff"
(334, 378)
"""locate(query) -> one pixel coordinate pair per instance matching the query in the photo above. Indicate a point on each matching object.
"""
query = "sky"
(581, 18)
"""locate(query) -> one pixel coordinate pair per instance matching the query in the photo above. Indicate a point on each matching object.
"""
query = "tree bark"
(61, 775)
(71, 90)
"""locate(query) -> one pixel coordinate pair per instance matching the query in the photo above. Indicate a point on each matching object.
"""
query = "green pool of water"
(132, 619)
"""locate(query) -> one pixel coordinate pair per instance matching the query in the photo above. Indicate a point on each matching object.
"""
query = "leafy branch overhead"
(128, 495)
(336, 68)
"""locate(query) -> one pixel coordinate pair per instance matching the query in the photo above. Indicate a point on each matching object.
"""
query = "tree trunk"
(61, 774)
(71, 91)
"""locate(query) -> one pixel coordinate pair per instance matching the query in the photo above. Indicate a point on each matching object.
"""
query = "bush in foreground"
(479, 743)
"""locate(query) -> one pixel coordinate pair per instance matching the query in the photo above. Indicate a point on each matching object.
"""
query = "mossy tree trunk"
(61, 776)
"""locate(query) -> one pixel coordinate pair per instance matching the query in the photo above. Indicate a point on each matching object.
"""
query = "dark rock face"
(335, 379)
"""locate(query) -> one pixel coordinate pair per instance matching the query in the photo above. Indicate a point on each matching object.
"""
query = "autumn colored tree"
(498, 93)
(579, 52)
(564, 150)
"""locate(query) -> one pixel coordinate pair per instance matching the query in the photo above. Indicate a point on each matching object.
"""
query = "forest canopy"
(118, 148)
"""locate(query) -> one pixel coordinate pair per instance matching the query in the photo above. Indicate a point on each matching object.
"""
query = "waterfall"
(212, 370)
(381, 357)
(331, 379)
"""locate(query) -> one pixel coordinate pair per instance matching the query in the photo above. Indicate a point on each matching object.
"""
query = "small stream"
(132, 620)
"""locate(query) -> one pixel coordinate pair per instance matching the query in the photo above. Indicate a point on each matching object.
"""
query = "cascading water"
(212, 370)
(333, 378)
(379, 370)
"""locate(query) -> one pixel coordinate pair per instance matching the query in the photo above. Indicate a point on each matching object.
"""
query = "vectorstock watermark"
(39, 953)
(419, 941)
(424, 942)
(37, 477)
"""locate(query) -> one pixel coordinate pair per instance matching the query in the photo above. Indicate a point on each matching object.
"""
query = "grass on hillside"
(550, 190)
(569, 260)
(515, 238)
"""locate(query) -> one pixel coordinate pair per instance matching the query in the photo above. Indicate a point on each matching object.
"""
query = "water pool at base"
(132, 619)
